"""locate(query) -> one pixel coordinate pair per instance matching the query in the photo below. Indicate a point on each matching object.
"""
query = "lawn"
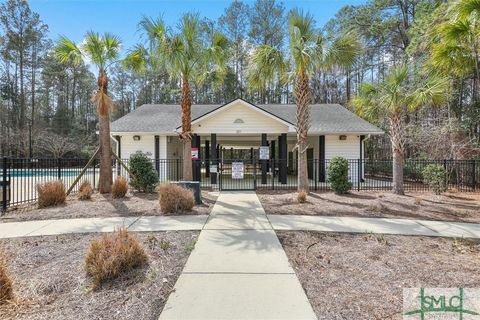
(103, 205)
(350, 276)
(50, 281)
(464, 207)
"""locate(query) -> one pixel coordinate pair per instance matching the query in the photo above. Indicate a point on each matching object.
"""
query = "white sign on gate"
(237, 170)
(264, 153)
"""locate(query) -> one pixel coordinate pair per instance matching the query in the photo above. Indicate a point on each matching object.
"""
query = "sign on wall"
(213, 168)
(237, 170)
(264, 153)
(194, 153)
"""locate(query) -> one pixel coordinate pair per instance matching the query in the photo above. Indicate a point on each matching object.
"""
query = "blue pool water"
(44, 173)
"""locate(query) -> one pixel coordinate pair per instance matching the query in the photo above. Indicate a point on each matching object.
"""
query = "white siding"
(146, 144)
(253, 122)
(348, 149)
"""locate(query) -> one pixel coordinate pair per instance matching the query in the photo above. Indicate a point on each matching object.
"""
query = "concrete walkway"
(238, 269)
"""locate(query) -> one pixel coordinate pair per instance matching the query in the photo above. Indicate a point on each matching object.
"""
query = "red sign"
(194, 153)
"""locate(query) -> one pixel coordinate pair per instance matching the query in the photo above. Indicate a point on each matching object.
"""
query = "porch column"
(283, 148)
(264, 162)
(157, 154)
(214, 157)
(321, 158)
(360, 164)
(196, 164)
(207, 158)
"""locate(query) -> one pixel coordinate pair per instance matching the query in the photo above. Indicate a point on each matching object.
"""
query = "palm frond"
(466, 8)
(66, 51)
(137, 59)
(103, 102)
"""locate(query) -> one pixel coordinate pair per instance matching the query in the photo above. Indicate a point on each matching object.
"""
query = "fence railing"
(19, 177)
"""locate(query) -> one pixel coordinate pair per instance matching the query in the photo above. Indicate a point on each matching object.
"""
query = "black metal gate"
(238, 175)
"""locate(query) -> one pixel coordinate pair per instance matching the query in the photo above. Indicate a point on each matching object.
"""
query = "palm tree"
(102, 51)
(392, 99)
(186, 57)
(309, 53)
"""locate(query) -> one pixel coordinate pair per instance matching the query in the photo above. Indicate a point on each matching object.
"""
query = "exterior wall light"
(342, 137)
(136, 138)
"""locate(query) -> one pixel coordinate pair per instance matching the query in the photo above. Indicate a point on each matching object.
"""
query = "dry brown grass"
(85, 191)
(112, 255)
(418, 201)
(302, 197)
(51, 193)
(119, 187)
(174, 198)
(6, 286)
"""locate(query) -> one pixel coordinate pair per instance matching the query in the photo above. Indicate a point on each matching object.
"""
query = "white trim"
(291, 128)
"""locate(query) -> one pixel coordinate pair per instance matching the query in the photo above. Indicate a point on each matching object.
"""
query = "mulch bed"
(464, 207)
(103, 205)
(350, 276)
(50, 281)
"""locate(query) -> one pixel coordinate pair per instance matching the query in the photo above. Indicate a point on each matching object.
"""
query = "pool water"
(45, 173)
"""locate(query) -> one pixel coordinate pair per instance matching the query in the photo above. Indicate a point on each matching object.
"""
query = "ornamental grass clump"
(338, 175)
(6, 285)
(436, 177)
(51, 193)
(85, 191)
(144, 176)
(174, 199)
(113, 255)
(119, 187)
(302, 197)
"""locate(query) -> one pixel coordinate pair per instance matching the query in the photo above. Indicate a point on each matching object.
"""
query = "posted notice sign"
(194, 153)
(237, 170)
(264, 153)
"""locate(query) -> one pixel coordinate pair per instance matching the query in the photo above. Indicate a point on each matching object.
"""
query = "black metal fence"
(19, 177)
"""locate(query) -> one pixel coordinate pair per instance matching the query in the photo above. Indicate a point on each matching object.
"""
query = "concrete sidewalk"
(238, 269)
(88, 225)
(408, 227)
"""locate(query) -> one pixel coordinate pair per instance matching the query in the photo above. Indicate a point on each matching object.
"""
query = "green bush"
(145, 177)
(436, 177)
(338, 175)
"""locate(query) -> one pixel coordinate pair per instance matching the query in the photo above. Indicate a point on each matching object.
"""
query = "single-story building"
(234, 132)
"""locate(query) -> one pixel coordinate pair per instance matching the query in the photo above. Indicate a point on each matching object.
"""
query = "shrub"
(112, 255)
(338, 175)
(6, 287)
(174, 198)
(119, 187)
(145, 176)
(436, 177)
(51, 193)
(85, 191)
(302, 197)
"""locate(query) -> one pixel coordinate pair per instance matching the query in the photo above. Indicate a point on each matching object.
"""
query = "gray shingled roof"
(325, 118)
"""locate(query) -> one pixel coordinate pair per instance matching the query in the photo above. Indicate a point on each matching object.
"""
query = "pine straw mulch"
(50, 281)
(359, 277)
(104, 205)
(462, 207)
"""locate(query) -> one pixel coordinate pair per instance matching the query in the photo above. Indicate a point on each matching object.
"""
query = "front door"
(236, 175)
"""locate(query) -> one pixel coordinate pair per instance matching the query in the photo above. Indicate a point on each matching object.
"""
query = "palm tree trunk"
(303, 99)
(397, 136)
(105, 183)
(186, 135)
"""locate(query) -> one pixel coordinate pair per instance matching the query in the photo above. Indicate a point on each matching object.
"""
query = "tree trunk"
(186, 135)
(397, 136)
(302, 99)
(105, 183)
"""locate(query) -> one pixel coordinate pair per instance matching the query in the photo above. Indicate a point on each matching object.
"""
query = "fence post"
(474, 175)
(59, 166)
(177, 170)
(254, 174)
(359, 175)
(315, 169)
(4, 185)
(272, 166)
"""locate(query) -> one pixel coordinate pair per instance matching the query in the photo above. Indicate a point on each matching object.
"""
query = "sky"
(72, 18)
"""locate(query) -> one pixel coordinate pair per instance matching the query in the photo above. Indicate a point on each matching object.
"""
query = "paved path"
(238, 269)
(278, 222)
